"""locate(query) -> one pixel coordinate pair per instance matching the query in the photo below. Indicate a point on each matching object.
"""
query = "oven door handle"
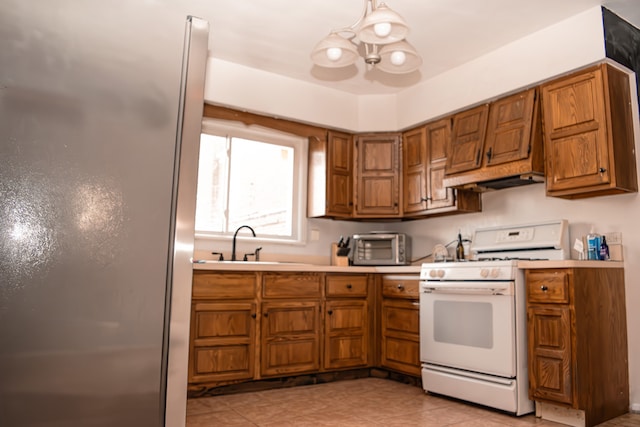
(497, 289)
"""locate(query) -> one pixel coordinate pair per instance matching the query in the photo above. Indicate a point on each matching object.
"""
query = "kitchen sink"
(206, 261)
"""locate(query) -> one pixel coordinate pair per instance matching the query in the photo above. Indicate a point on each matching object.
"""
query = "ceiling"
(278, 35)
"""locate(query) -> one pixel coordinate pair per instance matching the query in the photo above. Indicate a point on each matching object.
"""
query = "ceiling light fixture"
(382, 32)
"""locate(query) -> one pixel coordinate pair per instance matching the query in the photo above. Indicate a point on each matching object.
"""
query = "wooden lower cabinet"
(259, 325)
(347, 321)
(223, 328)
(290, 337)
(291, 325)
(577, 339)
(400, 324)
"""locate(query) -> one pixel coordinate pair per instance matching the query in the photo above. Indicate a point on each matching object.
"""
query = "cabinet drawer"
(547, 286)
(346, 286)
(401, 286)
(224, 285)
(291, 285)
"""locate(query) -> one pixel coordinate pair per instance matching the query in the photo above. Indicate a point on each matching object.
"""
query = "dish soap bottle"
(460, 248)
(593, 245)
(604, 249)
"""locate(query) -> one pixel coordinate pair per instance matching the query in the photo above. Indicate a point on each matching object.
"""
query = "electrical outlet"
(614, 238)
(315, 235)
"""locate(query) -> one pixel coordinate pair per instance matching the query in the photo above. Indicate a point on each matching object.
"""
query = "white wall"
(568, 45)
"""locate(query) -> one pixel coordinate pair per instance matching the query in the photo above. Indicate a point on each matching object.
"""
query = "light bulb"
(334, 53)
(398, 57)
(382, 29)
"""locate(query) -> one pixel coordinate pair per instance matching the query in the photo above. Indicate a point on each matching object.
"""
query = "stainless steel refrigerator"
(100, 114)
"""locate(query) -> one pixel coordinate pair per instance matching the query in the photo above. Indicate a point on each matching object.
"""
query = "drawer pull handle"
(400, 287)
(349, 286)
(543, 288)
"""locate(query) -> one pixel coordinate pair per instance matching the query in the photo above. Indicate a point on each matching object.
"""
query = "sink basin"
(206, 261)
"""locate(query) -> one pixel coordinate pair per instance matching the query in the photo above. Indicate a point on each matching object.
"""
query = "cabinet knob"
(349, 286)
(253, 315)
(266, 315)
(425, 199)
(543, 288)
(330, 312)
(400, 287)
(602, 170)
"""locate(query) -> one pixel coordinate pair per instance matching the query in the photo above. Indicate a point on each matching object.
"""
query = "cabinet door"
(575, 131)
(438, 136)
(222, 341)
(346, 334)
(414, 170)
(378, 175)
(467, 139)
(290, 337)
(340, 174)
(549, 337)
(401, 335)
(509, 128)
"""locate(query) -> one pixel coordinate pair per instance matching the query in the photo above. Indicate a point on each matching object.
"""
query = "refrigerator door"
(95, 220)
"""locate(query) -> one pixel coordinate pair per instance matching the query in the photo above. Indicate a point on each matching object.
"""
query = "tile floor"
(367, 402)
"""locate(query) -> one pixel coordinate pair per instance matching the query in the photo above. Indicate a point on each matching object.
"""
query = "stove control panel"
(481, 271)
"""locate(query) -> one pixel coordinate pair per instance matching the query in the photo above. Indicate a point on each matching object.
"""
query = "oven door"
(469, 325)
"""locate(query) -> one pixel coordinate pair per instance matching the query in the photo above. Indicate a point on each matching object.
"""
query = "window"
(250, 176)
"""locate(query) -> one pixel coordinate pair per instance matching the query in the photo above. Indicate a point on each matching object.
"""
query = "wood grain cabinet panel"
(347, 321)
(467, 140)
(512, 150)
(222, 343)
(400, 324)
(346, 334)
(377, 186)
(577, 342)
(588, 134)
(290, 338)
(330, 176)
(424, 157)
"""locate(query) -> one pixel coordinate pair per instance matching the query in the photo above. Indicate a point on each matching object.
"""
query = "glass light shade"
(382, 29)
(381, 16)
(334, 51)
(391, 58)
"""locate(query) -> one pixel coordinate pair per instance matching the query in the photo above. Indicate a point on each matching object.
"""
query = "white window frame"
(262, 134)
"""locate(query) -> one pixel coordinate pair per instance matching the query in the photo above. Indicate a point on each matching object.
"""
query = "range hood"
(508, 182)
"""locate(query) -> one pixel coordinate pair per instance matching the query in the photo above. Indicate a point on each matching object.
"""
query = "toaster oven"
(381, 248)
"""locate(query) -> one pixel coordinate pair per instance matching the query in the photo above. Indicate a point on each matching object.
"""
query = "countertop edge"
(284, 267)
(569, 263)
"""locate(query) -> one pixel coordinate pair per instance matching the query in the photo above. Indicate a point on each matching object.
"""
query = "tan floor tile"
(219, 418)
(368, 402)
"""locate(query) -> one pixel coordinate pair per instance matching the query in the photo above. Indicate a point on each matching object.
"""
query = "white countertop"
(569, 263)
(286, 266)
(409, 269)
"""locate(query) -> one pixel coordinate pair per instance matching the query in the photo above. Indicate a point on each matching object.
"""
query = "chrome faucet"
(233, 248)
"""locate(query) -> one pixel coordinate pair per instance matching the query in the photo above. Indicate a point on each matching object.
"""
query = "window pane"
(212, 184)
(261, 187)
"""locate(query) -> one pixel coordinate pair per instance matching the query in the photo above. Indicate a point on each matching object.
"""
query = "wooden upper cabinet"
(377, 175)
(424, 158)
(588, 134)
(330, 176)
(414, 171)
(438, 136)
(512, 151)
(509, 127)
(469, 128)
